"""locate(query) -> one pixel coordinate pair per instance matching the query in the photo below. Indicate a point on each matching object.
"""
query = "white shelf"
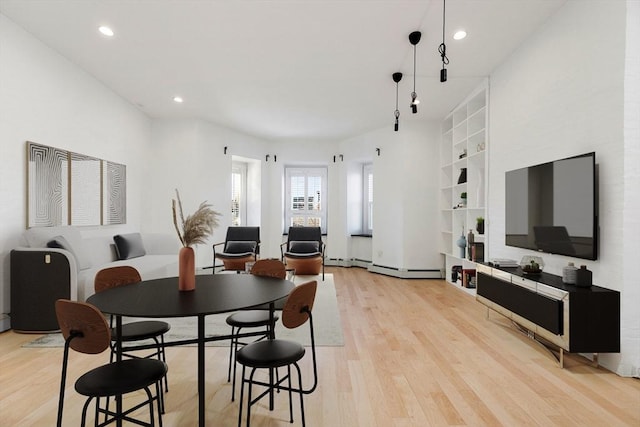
(464, 130)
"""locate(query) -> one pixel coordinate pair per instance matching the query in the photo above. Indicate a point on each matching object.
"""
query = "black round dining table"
(213, 294)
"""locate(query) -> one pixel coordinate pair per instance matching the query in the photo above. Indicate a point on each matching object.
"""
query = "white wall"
(405, 193)
(407, 161)
(556, 96)
(48, 100)
(630, 318)
(300, 153)
(188, 155)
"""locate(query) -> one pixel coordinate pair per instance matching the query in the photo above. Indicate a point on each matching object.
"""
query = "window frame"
(306, 172)
(239, 168)
(367, 198)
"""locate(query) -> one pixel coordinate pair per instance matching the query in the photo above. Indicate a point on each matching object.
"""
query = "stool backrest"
(85, 324)
(269, 268)
(299, 304)
(112, 277)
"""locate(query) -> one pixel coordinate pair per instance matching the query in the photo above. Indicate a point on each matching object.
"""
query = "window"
(367, 198)
(306, 197)
(238, 193)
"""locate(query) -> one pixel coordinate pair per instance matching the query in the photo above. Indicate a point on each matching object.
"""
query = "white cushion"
(149, 267)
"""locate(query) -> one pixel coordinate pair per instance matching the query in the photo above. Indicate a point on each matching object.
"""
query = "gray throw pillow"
(129, 245)
(303, 247)
(59, 242)
(240, 247)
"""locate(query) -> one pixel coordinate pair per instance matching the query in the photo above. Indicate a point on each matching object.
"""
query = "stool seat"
(250, 319)
(270, 354)
(121, 377)
(145, 329)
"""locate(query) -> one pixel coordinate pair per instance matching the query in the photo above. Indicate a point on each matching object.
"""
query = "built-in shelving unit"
(464, 146)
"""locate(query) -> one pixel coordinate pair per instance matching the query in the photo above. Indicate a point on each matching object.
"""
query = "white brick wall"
(562, 93)
(630, 331)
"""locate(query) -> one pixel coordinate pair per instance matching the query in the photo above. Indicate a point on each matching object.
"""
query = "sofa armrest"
(68, 258)
(39, 277)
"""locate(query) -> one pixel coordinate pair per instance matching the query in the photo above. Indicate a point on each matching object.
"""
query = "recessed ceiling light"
(106, 31)
(460, 34)
(178, 99)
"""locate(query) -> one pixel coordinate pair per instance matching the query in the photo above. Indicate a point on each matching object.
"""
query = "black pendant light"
(396, 78)
(414, 39)
(442, 49)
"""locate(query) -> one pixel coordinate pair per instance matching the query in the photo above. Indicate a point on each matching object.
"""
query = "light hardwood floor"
(417, 353)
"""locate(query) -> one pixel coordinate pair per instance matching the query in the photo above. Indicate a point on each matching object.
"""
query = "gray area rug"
(326, 322)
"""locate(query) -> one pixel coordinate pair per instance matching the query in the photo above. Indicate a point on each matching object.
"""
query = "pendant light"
(414, 39)
(442, 49)
(396, 78)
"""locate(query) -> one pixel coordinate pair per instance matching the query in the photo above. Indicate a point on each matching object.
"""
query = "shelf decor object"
(462, 244)
(569, 274)
(462, 178)
(584, 277)
(531, 265)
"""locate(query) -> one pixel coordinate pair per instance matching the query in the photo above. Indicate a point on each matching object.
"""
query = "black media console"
(577, 320)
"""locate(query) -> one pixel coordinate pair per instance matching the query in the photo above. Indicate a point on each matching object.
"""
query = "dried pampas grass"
(197, 227)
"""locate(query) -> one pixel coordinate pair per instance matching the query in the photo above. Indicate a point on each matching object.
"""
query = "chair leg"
(301, 394)
(160, 354)
(249, 403)
(160, 412)
(233, 334)
(235, 350)
(84, 412)
(290, 395)
(150, 398)
(63, 381)
(97, 416)
(160, 398)
(164, 359)
(241, 397)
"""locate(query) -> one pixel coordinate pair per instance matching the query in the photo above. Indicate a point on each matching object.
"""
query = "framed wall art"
(67, 188)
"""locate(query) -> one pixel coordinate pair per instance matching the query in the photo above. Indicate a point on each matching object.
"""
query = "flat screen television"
(552, 207)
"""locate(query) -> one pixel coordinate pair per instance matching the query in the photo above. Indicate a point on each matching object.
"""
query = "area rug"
(326, 322)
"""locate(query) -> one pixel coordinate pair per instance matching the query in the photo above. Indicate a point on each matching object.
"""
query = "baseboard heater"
(5, 322)
(406, 273)
(337, 262)
(402, 273)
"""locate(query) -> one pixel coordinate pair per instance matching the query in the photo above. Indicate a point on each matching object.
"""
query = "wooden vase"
(186, 269)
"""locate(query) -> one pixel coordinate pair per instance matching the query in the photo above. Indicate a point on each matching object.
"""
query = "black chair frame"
(298, 234)
(237, 234)
(158, 352)
(257, 317)
(278, 385)
(137, 331)
(114, 416)
(237, 343)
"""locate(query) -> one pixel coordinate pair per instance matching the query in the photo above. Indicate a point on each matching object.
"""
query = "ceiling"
(303, 70)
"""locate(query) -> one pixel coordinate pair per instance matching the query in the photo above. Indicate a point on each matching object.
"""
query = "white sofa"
(91, 249)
